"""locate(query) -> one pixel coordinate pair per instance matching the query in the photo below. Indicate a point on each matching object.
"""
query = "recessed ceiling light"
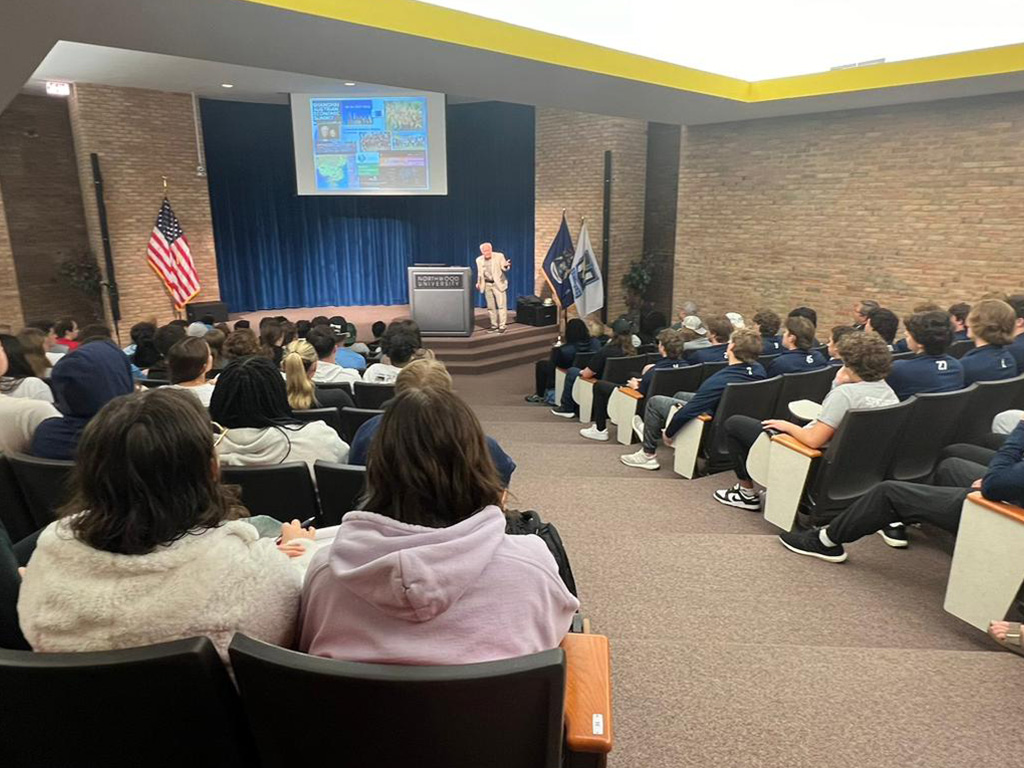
(54, 88)
(349, 84)
(227, 85)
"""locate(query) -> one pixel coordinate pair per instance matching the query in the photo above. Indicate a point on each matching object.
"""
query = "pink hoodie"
(389, 592)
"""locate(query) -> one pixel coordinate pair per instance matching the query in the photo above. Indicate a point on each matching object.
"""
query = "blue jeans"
(568, 404)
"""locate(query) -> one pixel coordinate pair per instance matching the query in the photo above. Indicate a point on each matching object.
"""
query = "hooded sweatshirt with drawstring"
(393, 593)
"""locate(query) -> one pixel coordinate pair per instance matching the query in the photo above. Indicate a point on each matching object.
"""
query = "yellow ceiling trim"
(448, 26)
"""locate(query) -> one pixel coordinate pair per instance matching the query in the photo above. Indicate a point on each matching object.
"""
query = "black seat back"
(668, 381)
(343, 385)
(340, 487)
(766, 360)
(14, 511)
(156, 695)
(856, 459)
(10, 585)
(990, 398)
(903, 355)
(330, 416)
(154, 383)
(282, 491)
(707, 370)
(619, 370)
(810, 385)
(960, 348)
(750, 398)
(932, 424)
(352, 419)
(372, 396)
(44, 485)
(391, 716)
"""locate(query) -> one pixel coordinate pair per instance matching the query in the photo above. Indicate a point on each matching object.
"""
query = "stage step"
(486, 352)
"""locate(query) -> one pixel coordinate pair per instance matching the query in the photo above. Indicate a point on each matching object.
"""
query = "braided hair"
(251, 392)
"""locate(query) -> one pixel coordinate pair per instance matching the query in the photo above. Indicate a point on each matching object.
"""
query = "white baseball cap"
(736, 319)
(695, 324)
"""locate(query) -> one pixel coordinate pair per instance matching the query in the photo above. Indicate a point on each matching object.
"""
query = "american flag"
(170, 257)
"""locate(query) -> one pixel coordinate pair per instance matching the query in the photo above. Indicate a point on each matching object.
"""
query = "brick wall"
(45, 220)
(570, 175)
(901, 204)
(141, 135)
(10, 300)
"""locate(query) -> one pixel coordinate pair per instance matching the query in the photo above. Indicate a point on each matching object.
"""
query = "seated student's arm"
(586, 373)
(1004, 480)
(646, 368)
(704, 401)
(812, 437)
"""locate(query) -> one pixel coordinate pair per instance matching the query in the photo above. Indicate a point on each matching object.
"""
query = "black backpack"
(522, 523)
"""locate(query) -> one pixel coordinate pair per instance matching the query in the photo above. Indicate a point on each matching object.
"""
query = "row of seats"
(365, 394)
(175, 703)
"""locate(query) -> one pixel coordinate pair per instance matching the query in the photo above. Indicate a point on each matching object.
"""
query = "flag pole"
(174, 307)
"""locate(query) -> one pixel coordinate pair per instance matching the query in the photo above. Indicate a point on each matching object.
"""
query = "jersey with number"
(796, 361)
(988, 363)
(925, 373)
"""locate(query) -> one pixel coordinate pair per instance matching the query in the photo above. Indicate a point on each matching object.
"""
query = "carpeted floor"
(727, 650)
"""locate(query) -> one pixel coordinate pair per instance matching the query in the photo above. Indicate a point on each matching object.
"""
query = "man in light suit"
(492, 281)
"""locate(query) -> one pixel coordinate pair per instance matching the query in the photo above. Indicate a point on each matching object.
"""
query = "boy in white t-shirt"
(188, 362)
(399, 347)
(327, 371)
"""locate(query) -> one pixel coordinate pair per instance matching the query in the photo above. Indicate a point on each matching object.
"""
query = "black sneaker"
(564, 414)
(808, 543)
(895, 535)
(534, 399)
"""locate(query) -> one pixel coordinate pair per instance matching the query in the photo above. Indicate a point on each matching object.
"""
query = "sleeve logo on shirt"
(942, 365)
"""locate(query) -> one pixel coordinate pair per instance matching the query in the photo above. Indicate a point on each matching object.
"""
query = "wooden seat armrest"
(795, 445)
(629, 391)
(588, 693)
(1011, 511)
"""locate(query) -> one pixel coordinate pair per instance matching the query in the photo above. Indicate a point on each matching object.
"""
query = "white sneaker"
(638, 427)
(640, 459)
(563, 414)
(740, 497)
(593, 433)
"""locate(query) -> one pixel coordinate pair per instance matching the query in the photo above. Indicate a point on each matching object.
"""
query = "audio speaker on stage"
(195, 310)
(530, 311)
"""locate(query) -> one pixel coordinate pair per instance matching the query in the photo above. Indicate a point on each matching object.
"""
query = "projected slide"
(370, 143)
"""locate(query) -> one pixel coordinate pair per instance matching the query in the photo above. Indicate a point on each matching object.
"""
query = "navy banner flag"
(558, 265)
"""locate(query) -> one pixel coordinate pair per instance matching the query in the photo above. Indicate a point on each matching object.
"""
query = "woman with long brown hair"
(152, 547)
(424, 573)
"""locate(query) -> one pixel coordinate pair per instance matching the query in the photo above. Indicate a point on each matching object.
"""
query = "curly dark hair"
(767, 322)
(885, 323)
(145, 475)
(932, 330)
(866, 355)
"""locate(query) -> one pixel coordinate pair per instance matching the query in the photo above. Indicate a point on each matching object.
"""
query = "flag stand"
(110, 282)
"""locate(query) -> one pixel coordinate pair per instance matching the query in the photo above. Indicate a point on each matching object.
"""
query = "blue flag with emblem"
(558, 264)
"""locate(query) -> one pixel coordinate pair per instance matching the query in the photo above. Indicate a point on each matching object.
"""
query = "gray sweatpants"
(655, 413)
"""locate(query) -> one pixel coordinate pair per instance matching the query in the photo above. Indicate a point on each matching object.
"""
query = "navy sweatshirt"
(988, 363)
(710, 392)
(714, 354)
(925, 373)
(662, 363)
(1004, 480)
(796, 361)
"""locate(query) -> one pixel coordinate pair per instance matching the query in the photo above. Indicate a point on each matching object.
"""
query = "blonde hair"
(596, 327)
(299, 357)
(423, 374)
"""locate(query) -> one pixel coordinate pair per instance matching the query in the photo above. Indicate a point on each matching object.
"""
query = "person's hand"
(21, 571)
(294, 530)
(780, 425)
(292, 549)
(633, 383)
(976, 485)
(666, 439)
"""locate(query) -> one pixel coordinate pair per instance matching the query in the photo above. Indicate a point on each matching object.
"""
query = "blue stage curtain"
(276, 249)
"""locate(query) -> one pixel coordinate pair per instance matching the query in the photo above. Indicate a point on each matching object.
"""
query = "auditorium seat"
(282, 491)
(617, 370)
(14, 511)
(339, 487)
(855, 460)
(624, 402)
(161, 706)
(931, 426)
(372, 396)
(580, 361)
(707, 370)
(43, 484)
(10, 584)
(990, 398)
(809, 385)
(352, 419)
(960, 348)
(330, 416)
(988, 561)
(343, 385)
(706, 434)
(154, 383)
(515, 713)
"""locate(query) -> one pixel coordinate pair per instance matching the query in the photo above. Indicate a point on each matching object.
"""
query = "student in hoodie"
(928, 336)
(424, 573)
(719, 327)
(83, 382)
(743, 349)
(798, 354)
(151, 548)
(424, 374)
(767, 323)
(860, 383)
(250, 404)
(990, 324)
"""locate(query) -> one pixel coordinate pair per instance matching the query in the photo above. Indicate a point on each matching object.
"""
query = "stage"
(482, 352)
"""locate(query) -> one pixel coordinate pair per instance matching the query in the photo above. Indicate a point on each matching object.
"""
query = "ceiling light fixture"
(54, 88)
(350, 84)
(227, 85)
